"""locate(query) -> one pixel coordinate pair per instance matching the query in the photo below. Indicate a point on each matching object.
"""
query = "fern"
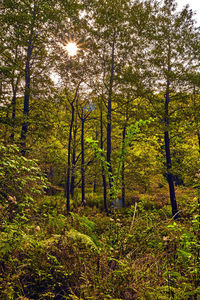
(88, 225)
(84, 239)
(51, 241)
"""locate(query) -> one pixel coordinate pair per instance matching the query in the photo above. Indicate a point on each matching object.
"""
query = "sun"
(72, 48)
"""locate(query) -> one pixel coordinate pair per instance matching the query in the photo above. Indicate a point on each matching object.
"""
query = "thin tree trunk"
(72, 187)
(14, 85)
(103, 170)
(95, 183)
(170, 176)
(109, 112)
(13, 104)
(68, 172)
(196, 118)
(26, 98)
(198, 135)
(67, 180)
(167, 140)
(123, 166)
(6, 127)
(168, 156)
(82, 163)
(96, 171)
(25, 123)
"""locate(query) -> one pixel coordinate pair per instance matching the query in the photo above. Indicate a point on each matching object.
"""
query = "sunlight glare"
(71, 49)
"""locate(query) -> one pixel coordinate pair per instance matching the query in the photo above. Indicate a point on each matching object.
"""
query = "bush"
(21, 179)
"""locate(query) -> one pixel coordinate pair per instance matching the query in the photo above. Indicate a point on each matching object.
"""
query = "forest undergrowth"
(138, 252)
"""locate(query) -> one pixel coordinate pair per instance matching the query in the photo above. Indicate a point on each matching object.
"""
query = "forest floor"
(138, 252)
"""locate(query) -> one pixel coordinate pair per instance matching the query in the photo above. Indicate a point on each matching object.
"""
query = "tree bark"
(109, 112)
(67, 180)
(13, 104)
(26, 97)
(72, 187)
(103, 170)
(25, 123)
(198, 135)
(170, 176)
(6, 127)
(168, 156)
(82, 163)
(96, 171)
(14, 85)
(68, 172)
(123, 165)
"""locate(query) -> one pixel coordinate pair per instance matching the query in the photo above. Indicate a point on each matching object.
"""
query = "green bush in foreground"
(21, 179)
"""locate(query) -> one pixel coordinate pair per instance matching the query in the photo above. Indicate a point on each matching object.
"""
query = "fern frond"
(84, 239)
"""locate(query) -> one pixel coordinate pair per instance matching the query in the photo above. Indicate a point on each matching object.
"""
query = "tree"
(31, 30)
(109, 31)
(171, 55)
(83, 116)
(68, 173)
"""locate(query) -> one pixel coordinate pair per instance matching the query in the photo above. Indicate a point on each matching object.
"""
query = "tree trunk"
(26, 99)
(168, 156)
(103, 171)
(6, 127)
(13, 104)
(82, 163)
(170, 176)
(109, 113)
(72, 187)
(14, 85)
(96, 170)
(67, 180)
(95, 183)
(198, 135)
(123, 165)
(68, 172)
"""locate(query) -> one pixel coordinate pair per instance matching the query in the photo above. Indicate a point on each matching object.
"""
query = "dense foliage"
(136, 253)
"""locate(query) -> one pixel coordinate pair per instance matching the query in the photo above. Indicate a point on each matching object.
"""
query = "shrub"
(20, 178)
